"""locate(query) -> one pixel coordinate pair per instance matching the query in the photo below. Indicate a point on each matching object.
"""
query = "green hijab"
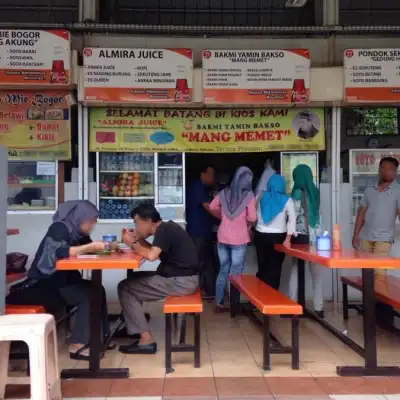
(303, 180)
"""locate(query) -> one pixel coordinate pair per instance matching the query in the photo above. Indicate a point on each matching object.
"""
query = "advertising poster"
(256, 76)
(35, 125)
(138, 75)
(289, 161)
(33, 57)
(367, 161)
(372, 75)
(206, 131)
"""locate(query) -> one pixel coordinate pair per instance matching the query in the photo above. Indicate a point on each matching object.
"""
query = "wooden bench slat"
(266, 299)
(387, 290)
(191, 303)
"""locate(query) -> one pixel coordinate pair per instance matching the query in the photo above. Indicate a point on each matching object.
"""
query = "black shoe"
(136, 348)
(320, 314)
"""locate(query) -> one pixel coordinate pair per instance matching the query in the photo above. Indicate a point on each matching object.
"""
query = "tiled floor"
(231, 366)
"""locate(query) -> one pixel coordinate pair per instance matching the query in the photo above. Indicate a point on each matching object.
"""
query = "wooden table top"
(12, 232)
(125, 260)
(345, 258)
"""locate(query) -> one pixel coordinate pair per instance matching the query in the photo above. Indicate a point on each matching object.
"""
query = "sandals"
(77, 355)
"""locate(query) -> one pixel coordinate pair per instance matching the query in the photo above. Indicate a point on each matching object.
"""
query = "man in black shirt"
(177, 274)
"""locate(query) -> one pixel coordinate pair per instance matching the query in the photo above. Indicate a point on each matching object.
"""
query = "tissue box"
(324, 243)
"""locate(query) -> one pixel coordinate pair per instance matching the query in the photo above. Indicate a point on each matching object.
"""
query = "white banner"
(33, 57)
(138, 75)
(256, 76)
(372, 75)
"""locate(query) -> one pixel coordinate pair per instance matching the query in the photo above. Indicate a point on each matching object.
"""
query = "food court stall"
(36, 96)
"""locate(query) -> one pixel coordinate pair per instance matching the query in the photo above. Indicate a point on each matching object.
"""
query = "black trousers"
(269, 261)
(208, 271)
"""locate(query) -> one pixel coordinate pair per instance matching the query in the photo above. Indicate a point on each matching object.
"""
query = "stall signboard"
(206, 131)
(367, 162)
(35, 58)
(35, 125)
(138, 75)
(372, 75)
(256, 76)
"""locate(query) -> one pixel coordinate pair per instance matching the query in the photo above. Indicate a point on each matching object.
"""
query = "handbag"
(15, 263)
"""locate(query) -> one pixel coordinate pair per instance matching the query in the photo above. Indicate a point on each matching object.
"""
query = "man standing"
(380, 206)
(177, 274)
(200, 220)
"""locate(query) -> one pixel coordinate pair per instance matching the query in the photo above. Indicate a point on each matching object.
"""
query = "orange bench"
(19, 309)
(387, 291)
(191, 304)
(269, 302)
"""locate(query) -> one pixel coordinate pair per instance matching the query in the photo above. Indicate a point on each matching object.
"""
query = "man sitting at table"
(177, 274)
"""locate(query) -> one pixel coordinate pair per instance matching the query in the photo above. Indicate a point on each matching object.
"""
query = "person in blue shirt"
(200, 220)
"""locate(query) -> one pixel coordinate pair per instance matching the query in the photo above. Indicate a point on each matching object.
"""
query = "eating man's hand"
(128, 237)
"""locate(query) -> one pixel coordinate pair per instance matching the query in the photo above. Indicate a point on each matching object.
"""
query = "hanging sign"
(256, 76)
(138, 75)
(367, 162)
(206, 131)
(32, 57)
(35, 125)
(372, 75)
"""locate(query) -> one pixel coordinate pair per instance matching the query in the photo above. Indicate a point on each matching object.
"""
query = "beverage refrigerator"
(127, 179)
(364, 169)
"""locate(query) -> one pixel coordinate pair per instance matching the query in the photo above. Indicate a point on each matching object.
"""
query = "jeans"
(231, 258)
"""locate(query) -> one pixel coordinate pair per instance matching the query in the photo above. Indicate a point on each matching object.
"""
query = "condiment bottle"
(337, 243)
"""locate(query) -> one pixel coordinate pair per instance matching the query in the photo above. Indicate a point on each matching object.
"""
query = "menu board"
(372, 75)
(256, 76)
(138, 75)
(33, 57)
(289, 161)
(35, 125)
(367, 161)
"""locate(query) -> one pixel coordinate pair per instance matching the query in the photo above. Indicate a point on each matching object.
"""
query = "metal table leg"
(371, 367)
(96, 342)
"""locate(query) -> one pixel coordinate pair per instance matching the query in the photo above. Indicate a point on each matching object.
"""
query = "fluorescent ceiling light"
(295, 3)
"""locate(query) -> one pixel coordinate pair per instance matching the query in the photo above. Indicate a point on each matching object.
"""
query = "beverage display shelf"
(127, 172)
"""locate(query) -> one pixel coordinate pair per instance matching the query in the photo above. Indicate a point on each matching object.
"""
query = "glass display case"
(290, 160)
(126, 180)
(32, 186)
(364, 168)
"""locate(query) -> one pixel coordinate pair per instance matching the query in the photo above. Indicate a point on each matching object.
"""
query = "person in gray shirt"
(380, 206)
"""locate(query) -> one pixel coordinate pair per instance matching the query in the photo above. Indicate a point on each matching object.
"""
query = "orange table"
(98, 263)
(12, 232)
(349, 258)
(13, 278)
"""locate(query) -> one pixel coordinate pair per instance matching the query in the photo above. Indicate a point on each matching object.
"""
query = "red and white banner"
(138, 75)
(33, 57)
(372, 75)
(256, 76)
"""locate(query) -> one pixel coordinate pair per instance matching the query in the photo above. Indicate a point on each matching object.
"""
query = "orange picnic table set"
(96, 263)
(347, 259)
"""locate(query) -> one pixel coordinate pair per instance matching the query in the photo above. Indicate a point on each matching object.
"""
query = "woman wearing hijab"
(67, 236)
(307, 201)
(276, 223)
(265, 177)
(236, 205)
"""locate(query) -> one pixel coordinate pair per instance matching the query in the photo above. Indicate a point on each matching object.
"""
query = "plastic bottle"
(337, 243)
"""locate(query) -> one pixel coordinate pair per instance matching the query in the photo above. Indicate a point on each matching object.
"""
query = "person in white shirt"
(275, 225)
